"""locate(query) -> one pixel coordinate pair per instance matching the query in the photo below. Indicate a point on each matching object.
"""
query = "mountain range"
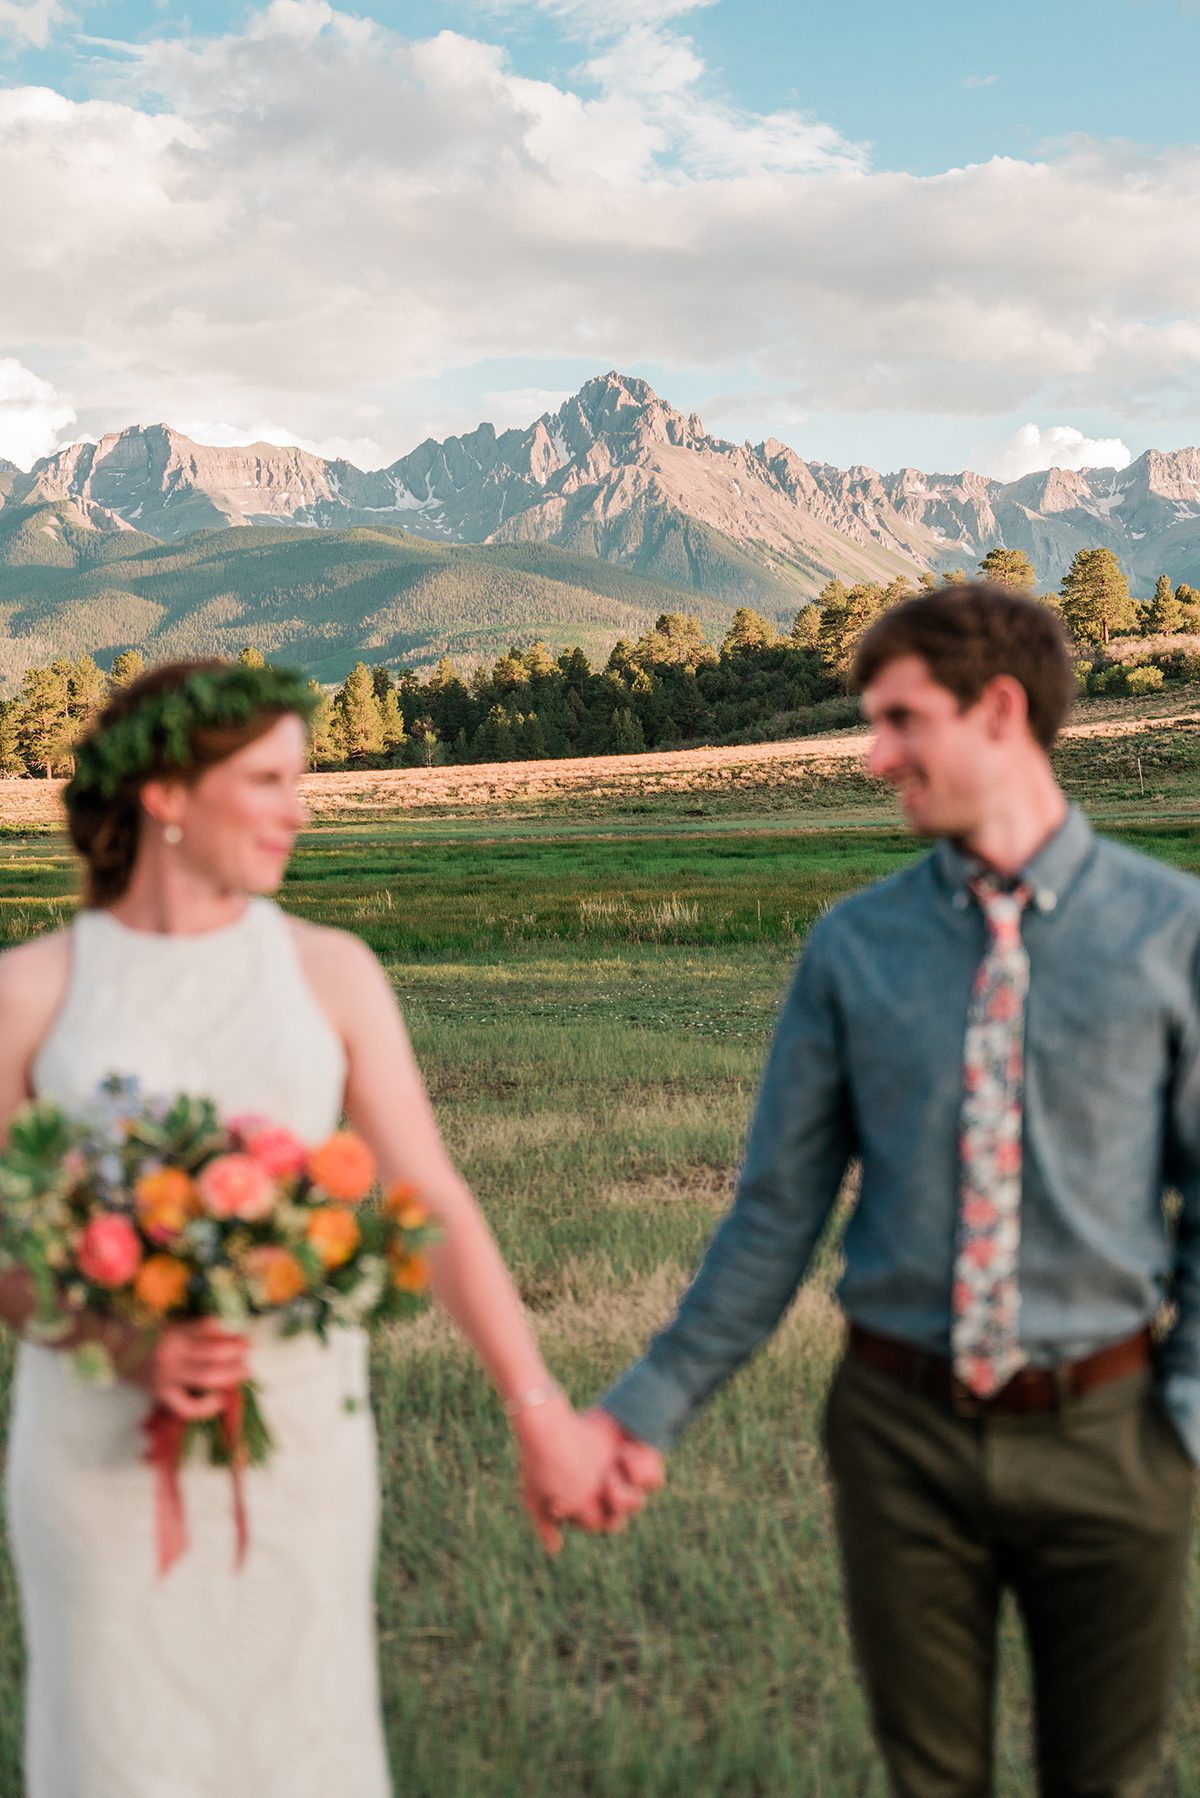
(615, 476)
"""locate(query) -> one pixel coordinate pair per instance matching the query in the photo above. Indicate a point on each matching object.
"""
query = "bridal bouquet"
(157, 1211)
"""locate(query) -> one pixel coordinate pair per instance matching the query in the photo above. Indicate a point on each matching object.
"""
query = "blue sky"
(939, 234)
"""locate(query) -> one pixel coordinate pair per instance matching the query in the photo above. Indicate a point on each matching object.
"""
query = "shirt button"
(960, 901)
(1047, 900)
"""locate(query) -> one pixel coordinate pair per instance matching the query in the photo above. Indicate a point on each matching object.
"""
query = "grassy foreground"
(592, 1012)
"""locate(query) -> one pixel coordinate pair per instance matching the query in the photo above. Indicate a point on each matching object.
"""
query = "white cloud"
(364, 452)
(519, 406)
(600, 18)
(1058, 446)
(283, 223)
(30, 21)
(33, 416)
(970, 82)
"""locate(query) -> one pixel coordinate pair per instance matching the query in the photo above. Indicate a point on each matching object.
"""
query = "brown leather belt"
(1032, 1389)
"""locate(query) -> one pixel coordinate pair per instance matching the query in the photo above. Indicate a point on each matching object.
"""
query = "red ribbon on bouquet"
(165, 1433)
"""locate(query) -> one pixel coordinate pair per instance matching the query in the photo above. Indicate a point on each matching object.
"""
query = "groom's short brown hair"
(968, 634)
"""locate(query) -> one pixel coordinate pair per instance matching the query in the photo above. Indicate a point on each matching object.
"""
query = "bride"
(211, 1682)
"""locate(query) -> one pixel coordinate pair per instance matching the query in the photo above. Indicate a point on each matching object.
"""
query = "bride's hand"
(569, 1473)
(193, 1367)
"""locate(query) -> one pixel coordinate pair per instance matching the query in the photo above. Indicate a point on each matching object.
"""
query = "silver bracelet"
(534, 1395)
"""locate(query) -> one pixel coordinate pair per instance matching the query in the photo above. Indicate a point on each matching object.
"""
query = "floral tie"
(984, 1338)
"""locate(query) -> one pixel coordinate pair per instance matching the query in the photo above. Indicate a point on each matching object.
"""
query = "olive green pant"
(1083, 1514)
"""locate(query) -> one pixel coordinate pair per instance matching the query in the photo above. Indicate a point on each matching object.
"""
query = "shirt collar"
(1048, 873)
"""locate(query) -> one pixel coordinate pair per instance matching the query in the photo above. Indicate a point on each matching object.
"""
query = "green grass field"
(591, 1000)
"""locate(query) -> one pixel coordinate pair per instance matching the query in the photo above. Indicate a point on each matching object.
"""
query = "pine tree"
(44, 729)
(843, 622)
(358, 715)
(899, 589)
(1189, 606)
(87, 692)
(11, 759)
(530, 738)
(494, 741)
(539, 661)
(806, 631)
(249, 657)
(127, 667)
(1164, 613)
(748, 632)
(677, 641)
(391, 720)
(627, 737)
(1095, 597)
(324, 747)
(1009, 568)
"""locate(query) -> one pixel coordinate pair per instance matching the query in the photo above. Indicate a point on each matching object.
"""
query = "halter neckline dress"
(209, 1681)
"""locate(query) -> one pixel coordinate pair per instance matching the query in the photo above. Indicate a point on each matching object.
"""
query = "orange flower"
(409, 1272)
(334, 1233)
(342, 1166)
(404, 1207)
(276, 1273)
(165, 1200)
(161, 1283)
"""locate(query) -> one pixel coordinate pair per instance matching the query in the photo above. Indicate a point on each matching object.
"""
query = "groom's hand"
(565, 1466)
(582, 1470)
(636, 1468)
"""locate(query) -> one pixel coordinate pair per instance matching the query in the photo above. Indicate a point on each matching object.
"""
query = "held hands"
(582, 1469)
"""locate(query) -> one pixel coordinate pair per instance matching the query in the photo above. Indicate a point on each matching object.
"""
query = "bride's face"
(240, 819)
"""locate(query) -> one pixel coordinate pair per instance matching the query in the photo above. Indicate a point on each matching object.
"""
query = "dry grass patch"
(690, 1184)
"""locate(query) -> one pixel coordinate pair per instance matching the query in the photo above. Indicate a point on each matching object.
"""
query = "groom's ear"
(1004, 705)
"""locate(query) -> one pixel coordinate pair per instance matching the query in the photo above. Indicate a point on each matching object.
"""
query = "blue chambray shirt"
(867, 1060)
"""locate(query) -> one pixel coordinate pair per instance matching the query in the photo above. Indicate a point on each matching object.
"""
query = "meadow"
(590, 980)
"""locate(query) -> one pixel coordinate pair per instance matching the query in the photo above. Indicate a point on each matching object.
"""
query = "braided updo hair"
(174, 722)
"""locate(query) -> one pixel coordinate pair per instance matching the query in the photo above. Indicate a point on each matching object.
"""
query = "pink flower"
(978, 1213)
(1008, 1157)
(236, 1186)
(980, 1376)
(109, 1251)
(277, 1150)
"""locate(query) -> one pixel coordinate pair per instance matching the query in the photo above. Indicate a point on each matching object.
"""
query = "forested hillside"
(320, 599)
(670, 686)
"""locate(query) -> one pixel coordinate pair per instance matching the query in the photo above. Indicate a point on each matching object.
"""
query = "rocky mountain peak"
(618, 472)
(1170, 474)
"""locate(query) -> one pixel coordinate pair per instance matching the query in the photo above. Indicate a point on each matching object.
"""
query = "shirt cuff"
(1179, 1395)
(649, 1405)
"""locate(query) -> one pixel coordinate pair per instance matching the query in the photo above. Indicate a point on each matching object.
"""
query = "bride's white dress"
(208, 1682)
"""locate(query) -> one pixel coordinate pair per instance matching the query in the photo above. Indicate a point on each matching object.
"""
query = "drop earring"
(172, 834)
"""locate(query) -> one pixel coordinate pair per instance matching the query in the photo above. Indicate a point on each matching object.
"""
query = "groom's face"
(938, 758)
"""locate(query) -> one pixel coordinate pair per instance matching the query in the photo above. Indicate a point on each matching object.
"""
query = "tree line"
(668, 688)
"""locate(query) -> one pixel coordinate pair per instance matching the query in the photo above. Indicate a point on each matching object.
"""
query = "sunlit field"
(590, 993)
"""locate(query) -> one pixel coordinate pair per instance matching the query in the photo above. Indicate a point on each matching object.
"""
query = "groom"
(1007, 1036)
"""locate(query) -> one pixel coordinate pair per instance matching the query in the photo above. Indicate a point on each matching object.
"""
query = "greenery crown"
(157, 733)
